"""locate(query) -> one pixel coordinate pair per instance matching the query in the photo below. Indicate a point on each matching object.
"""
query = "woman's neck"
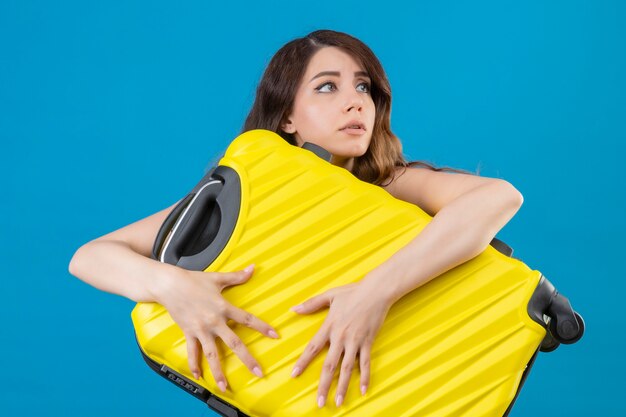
(347, 163)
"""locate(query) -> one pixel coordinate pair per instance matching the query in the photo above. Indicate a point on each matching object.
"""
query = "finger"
(347, 364)
(228, 279)
(236, 345)
(313, 304)
(314, 347)
(364, 361)
(193, 356)
(250, 320)
(213, 358)
(328, 371)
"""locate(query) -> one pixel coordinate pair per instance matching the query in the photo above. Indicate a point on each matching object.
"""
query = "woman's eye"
(330, 86)
(363, 87)
(326, 87)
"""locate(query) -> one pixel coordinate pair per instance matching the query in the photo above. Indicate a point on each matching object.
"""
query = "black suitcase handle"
(199, 227)
(168, 224)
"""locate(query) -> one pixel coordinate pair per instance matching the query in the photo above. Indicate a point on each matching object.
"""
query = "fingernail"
(339, 400)
(297, 308)
(249, 268)
(196, 375)
(222, 386)
(320, 401)
(273, 334)
(295, 372)
(257, 371)
(363, 389)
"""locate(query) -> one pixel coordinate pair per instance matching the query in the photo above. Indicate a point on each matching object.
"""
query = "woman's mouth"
(353, 128)
(356, 132)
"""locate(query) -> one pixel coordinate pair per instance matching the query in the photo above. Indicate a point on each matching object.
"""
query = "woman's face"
(333, 107)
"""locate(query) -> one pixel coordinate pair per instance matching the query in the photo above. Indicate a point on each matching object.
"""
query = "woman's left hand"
(354, 318)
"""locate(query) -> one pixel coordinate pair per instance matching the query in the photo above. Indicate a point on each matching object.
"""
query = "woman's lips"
(353, 131)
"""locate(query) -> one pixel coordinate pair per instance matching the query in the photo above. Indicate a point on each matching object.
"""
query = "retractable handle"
(317, 150)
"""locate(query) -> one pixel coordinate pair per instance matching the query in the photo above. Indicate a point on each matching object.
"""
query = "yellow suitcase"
(459, 345)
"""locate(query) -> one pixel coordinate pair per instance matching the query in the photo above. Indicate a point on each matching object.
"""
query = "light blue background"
(111, 111)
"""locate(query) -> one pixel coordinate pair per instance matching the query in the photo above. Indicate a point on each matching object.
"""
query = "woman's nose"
(354, 101)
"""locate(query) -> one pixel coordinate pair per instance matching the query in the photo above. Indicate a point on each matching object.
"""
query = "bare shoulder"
(140, 235)
(432, 190)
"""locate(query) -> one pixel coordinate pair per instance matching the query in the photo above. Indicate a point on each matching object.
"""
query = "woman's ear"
(287, 126)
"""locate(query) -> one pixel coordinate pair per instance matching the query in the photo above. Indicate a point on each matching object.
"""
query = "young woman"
(327, 88)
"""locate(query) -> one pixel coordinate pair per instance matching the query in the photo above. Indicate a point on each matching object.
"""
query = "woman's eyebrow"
(337, 74)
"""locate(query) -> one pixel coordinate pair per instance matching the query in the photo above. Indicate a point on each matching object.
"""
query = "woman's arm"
(119, 262)
(468, 213)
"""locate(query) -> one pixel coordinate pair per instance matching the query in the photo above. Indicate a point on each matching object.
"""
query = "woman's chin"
(345, 159)
(357, 150)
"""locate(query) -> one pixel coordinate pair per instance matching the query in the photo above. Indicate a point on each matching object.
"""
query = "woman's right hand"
(195, 302)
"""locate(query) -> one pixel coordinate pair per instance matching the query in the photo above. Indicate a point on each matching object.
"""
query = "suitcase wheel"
(567, 331)
(549, 343)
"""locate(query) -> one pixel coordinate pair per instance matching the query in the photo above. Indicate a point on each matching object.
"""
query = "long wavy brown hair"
(276, 93)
